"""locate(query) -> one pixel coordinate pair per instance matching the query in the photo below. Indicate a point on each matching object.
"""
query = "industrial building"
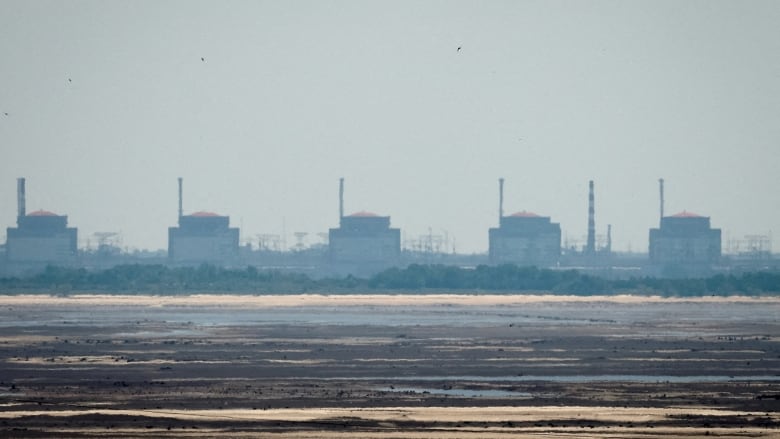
(684, 244)
(202, 237)
(41, 237)
(524, 238)
(685, 239)
(364, 242)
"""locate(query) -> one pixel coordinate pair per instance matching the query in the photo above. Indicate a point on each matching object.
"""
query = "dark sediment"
(69, 379)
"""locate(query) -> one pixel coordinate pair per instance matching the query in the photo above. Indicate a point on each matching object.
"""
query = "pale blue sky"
(108, 102)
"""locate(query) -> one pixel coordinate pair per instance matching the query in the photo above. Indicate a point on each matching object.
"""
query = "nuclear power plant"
(41, 237)
(202, 237)
(364, 243)
(523, 238)
(684, 243)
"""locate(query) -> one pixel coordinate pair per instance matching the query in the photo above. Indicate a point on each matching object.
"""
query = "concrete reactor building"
(684, 243)
(364, 243)
(202, 237)
(40, 237)
(523, 238)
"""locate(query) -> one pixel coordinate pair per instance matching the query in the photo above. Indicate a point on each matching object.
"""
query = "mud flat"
(436, 366)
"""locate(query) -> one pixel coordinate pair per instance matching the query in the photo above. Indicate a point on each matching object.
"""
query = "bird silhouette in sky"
(202, 59)
(459, 47)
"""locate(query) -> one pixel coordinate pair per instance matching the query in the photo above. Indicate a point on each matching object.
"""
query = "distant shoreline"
(325, 299)
(412, 280)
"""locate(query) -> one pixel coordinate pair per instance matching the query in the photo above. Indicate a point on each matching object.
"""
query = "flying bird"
(202, 59)
(459, 47)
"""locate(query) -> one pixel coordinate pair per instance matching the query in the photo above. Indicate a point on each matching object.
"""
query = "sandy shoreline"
(274, 300)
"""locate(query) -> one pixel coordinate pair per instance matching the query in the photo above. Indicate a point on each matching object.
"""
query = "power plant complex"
(364, 243)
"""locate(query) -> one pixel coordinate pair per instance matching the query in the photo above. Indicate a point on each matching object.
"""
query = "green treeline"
(163, 280)
(488, 278)
(531, 279)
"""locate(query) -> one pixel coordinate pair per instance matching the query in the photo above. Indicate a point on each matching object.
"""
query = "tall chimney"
(661, 191)
(500, 200)
(341, 199)
(181, 212)
(609, 238)
(591, 244)
(21, 201)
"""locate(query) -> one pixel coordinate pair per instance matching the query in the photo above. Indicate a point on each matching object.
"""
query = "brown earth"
(132, 369)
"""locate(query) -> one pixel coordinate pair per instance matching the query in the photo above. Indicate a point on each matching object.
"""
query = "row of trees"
(489, 278)
(160, 279)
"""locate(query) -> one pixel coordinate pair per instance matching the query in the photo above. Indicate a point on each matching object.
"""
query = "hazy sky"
(109, 102)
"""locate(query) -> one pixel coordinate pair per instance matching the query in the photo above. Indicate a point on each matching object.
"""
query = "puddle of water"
(485, 393)
(575, 378)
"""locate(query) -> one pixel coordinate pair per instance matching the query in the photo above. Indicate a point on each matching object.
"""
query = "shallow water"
(577, 378)
(544, 314)
(486, 393)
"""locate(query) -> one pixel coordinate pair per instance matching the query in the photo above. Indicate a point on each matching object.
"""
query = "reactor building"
(202, 237)
(686, 240)
(685, 243)
(523, 238)
(41, 237)
(364, 243)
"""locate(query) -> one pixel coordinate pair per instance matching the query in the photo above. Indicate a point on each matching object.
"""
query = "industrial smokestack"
(341, 199)
(21, 200)
(500, 200)
(609, 238)
(181, 212)
(591, 244)
(661, 191)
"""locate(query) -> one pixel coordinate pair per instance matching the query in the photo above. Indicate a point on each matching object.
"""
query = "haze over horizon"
(420, 106)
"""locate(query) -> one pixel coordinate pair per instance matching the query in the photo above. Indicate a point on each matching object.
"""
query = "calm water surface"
(549, 313)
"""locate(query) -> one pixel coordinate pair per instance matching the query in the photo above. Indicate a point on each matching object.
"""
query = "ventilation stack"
(341, 199)
(181, 212)
(661, 191)
(590, 247)
(500, 200)
(21, 200)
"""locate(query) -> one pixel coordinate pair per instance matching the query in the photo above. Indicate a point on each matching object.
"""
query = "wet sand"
(438, 366)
